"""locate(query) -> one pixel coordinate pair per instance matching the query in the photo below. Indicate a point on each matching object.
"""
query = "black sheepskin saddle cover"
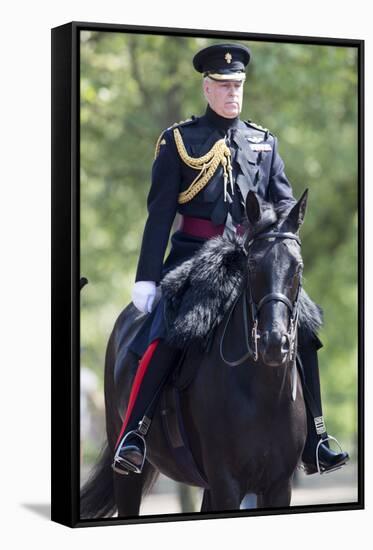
(199, 292)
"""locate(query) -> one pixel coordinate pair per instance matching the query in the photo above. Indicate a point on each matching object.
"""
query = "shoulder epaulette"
(256, 126)
(161, 141)
(185, 122)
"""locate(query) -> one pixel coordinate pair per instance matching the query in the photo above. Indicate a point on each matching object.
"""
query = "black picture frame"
(66, 268)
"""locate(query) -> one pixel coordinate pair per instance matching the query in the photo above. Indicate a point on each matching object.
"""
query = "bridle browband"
(255, 308)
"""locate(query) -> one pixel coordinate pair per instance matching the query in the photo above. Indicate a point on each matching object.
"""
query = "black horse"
(244, 410)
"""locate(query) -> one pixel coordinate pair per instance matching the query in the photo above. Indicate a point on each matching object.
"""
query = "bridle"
(252, 343)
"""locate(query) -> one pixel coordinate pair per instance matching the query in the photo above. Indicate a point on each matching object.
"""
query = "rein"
(252, 350)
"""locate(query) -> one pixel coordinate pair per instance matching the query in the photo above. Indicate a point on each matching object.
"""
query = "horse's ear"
(297, 213)
(252, 208)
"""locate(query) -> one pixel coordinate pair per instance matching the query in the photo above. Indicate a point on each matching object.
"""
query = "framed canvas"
(207, 274)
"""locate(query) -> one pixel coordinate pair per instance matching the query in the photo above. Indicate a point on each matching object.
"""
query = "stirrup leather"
(329, 470)
(126, 464)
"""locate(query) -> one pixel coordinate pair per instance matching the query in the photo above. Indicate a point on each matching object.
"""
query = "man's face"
(224, 97)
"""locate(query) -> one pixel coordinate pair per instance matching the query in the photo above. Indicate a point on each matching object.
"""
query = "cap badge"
(228, 57)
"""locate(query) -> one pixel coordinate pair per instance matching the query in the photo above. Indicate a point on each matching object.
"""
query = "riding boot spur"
(317, 455)
(154, 368)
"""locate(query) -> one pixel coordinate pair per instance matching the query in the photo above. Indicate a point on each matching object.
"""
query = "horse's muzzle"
(274, 348)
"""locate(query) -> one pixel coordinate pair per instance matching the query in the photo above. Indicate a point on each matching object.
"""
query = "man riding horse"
(204, 168)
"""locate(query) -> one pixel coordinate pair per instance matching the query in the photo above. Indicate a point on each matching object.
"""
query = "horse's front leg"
(277, 496)
(224, 494)
(206, 501)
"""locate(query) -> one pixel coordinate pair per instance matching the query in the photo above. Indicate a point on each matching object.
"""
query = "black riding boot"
(131, 448)
(317, 456)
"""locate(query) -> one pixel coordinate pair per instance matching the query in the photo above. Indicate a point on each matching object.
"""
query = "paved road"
(337, 487)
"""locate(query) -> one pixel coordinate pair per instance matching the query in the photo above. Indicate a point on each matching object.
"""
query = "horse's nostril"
(275, 347)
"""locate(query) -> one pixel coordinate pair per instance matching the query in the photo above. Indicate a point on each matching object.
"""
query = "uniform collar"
(221, 123)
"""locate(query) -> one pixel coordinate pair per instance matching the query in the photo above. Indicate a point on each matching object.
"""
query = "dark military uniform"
(256, 165)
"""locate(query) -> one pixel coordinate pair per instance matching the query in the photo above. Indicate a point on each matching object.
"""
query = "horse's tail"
(97, 494)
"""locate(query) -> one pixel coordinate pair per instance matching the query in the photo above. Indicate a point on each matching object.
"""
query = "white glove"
(145, 295)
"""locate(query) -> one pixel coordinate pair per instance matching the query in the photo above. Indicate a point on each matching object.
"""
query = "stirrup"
(128, 465)
(329, 470)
